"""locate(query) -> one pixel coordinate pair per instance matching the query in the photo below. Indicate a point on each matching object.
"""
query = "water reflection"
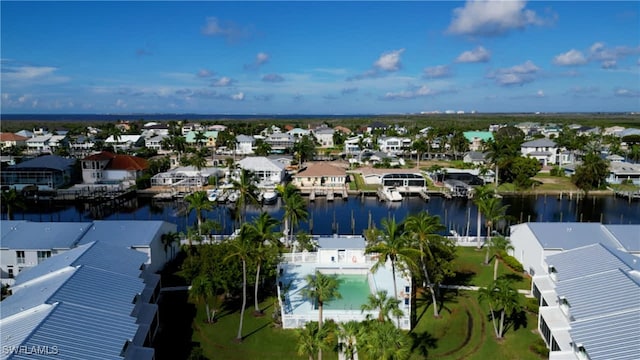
(355, 214)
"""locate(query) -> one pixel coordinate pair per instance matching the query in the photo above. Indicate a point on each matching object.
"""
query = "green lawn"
(470, 270)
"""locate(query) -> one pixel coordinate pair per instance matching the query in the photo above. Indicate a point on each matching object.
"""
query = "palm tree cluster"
(503, 300)
(295, 209)
(415, 245)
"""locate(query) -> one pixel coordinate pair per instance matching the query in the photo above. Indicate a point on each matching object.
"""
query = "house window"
(10, 272)
(43, 255)
(20, 257)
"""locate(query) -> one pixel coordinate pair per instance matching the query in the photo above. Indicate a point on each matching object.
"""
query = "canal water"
(354, 215)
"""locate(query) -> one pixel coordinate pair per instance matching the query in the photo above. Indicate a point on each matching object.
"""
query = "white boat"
(392, 194)
(233, 196)
(212, 195)
(269, 197)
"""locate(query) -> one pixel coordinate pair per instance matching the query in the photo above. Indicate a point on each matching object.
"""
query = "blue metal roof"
(571, 263)
(45, 162)
(614, 337)
(341, 242)
(570, 235)
(125, 233)
(41, 235)
(627, 235)
(21, 326)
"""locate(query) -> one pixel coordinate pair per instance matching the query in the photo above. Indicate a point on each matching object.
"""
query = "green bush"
(531, 305)
(511, 262)
(540, 348)
(557, 171)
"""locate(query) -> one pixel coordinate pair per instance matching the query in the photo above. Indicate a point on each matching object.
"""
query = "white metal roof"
(29, 235)
(125, 233)
(342, 242)
(569, 235)
(571, 264)
(260, 163)
(614, 337)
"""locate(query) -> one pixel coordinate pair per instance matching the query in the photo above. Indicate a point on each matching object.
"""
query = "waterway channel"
(355, 214)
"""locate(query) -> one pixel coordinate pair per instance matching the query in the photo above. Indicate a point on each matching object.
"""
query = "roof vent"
(569, 229)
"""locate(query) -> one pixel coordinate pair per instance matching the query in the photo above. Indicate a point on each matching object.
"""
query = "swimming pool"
(354, 290)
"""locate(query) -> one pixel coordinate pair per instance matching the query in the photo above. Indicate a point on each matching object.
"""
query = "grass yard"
(470, 270)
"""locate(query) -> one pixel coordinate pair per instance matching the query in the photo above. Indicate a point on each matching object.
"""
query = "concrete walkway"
(476, 288)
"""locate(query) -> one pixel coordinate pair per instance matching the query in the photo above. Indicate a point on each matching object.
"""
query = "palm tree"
(247, 192)
(202, 290)
(348, 332)
(313, 338)
(295, 209)
(382, 340)
(242, 249)
(503, 298)
(264, 241)
(392, 245)
(423, 228)
(500, 245)
(480, 194)
(493, 211)
(321, 288)
(167, 242)
(384, 304)
(199, 201)
(12, 199)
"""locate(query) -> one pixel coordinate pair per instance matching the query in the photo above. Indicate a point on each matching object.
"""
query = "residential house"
(352, 145)
(38, 144)
(48, 172)
(280, 142)
(620, 171)
(324, 136)
(41, 131)
(298, 132)
(613, 130)
(58, 141)
(155, 142)
(8, 140)
(245, 144)
(26, 133)
(81, 145)
(566, 261)
(544, 150)
(125, 142)
(320, 175)
(376, 126)
(217, 127)
(186, 176)
(476, 139)
(265, 169)
(106, 167)
(209, 140)
(270, 130)
(342, 129)
(191, 127)
(475, 157)
(393, 145)
(529, 128)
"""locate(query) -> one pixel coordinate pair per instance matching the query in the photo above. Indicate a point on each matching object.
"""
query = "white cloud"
(626, 93)
(204, 73)
(515, 75)
(609, 64)
(492, 18)
(389, 61)
(261, 59)
(28, 75)
(120, 104)
(421, 91)
(570, 58)
(228, 30)
(440, 71)
(222, 82)
(540, 93)
(272, 78)
(237, 97)
(479, 54)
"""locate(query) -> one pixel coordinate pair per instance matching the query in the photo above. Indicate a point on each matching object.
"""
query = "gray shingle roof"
(539, 143)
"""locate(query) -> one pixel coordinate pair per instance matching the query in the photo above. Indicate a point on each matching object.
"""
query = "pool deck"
(298, 309)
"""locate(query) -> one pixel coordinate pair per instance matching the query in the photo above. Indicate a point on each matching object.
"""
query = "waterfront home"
(155, 142)
(8, 140)
(342, 256)
(543, 150)
(567, 261)
(264, 169)
(620, 171)
(352, 144)
(298, 132)
(191, 127)
(47, 172)
(320, 175)
(187, 176)
(476, 139)
(25, 133)
(106, 167)
(58, 141)
(245, 144)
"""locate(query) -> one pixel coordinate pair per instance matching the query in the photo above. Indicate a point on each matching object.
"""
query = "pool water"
(354, 290)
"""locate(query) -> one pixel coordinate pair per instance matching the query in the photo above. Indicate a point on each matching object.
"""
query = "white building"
(344, 257)
(324, 136)
(106, 167)
(265, 169)
(244, 144)
(124, 142)
(38, 144)
(544, 150)
(155, 142)
(393, 145)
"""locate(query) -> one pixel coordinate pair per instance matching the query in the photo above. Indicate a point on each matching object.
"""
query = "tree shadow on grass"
(513, 277)
(422, 342)
(266, 324)
(461, 277)
(515, 321)
(448, 296)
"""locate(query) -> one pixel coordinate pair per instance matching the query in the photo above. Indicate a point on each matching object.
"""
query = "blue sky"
(320, 57)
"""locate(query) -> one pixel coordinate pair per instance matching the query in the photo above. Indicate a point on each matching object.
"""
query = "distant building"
(265, 169)
(324, 135)
(245, 144)
(475, 158)
(320, 175)
(8, 140)
(476, 139)
(543, 150)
